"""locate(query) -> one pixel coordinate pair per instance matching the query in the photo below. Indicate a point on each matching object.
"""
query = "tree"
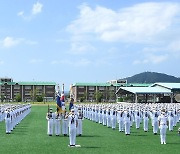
(39, 98)
(18, 98)
(127, 98)
(43, 96)
(85, 95)
(98, 96)
(81, 99)
(111, 95)
(120, 99)
(2, 98)
(33, 94)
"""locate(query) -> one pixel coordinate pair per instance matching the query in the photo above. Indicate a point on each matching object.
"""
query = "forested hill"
(151, 77)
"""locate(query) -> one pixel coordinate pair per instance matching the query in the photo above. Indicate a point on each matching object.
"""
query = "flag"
(63, 98)
(58, 100)
(59, 104)
(62, 94)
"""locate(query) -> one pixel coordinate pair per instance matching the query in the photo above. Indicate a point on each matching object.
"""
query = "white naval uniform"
(121, 121)
(57, 124)
(64, 125)
(50, 120)
(8, 122)
(108, 119)
(137, 120)
(100, 117)
(72, 121)
(155, 122)
(146, 120)
(127, 123)
(163, 127)
(104, 117)
(113, 120)
(97, 115)
(171, 121)
(79, 127)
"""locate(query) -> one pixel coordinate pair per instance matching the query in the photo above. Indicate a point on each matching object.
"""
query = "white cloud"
(37, 8)
(81, 48)
(21, 13)
(10, 42)
(1, 62)
(151, 58)
(139, 23)
(29, 42)
(174, 46)
(35, 61)
(77, 63)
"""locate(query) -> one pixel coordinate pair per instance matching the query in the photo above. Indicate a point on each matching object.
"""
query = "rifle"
(48, 108)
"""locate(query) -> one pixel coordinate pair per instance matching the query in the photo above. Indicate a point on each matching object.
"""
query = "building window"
(49, 92)
(50, 87)
(101, 88)
(27, 87)
(111, 88)
(17, 87)
(80, 87)
(91, 94)
(81, 93)
(91, 88)
(39, 87)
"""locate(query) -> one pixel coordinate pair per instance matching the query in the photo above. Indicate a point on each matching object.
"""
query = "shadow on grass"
(174, 143)
(90, 147)
(19, 132)
(139, 135)
(89, 136)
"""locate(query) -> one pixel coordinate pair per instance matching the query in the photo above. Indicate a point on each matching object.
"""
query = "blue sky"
(69, 41)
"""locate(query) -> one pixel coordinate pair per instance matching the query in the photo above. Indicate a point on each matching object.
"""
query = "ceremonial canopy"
(145, 92)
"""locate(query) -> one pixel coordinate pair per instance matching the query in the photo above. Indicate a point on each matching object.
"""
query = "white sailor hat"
(50, 109)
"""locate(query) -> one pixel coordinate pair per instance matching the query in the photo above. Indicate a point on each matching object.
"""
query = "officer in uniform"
(8, 121)
(57, 124)
(163, 124)
(146, 119)
(80, 118)
(127, 123)
(155, 122)
(49, 118)
(121, 120)
(65, 124)
(113, 119)
(73, 123)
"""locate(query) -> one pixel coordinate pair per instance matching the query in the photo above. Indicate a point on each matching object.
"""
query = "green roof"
(29, 83)
(37, 83)
(91, 84)
(116, 84)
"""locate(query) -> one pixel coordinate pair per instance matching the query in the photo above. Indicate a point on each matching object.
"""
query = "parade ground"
(30, 136)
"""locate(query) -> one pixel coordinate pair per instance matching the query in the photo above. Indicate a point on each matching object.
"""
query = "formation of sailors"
(13, 115)
(162, 116)
(58, 123)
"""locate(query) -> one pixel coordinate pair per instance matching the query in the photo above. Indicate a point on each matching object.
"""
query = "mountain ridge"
(151, 77)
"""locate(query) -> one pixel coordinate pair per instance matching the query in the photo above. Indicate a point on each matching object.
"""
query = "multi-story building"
(88, 91)
(27, 90)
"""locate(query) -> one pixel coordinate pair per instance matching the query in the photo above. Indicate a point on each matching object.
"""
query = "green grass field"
(30, 136)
